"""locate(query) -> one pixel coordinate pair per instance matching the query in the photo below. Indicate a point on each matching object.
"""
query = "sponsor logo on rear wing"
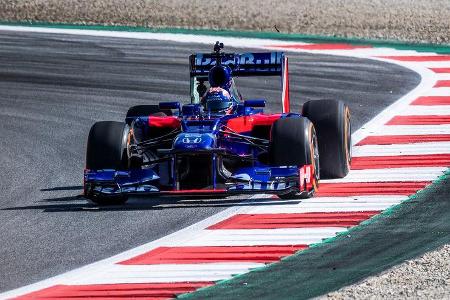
(245, 64)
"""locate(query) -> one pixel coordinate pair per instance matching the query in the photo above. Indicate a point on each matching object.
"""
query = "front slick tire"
(294, 143)
(106, 149)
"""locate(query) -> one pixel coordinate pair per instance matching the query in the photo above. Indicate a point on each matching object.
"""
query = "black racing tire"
(331, 118)
(294, 143)
(106, 149)
(145, 111)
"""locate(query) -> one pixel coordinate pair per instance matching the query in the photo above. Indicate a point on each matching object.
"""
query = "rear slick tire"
(331, 119)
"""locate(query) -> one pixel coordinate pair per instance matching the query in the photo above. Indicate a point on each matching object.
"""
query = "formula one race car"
(219, 144)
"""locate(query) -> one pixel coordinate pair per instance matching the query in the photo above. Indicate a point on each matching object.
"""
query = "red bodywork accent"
(285, 82)
(164, 122)
(246, 123)
(307, 179)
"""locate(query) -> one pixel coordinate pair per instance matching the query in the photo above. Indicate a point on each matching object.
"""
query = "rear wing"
(245, 64)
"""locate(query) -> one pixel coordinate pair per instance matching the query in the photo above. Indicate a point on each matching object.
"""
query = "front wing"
(275, 180)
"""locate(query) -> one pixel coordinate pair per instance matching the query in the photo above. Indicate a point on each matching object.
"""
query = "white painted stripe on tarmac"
(332, 204)
(165, 273)
(358, 52)
(403, 52)
(411, 130)
(308, 208)
(402, 149)
(439, 91)
(433, 64)
(256, 237)
(426, 110)
(356, 199)
(395, 174)
(443, 76)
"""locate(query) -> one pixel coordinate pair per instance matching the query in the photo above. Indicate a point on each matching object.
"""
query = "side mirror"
(255, 103)
(169, 105)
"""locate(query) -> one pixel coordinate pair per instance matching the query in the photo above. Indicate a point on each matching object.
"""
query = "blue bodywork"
(203, 154)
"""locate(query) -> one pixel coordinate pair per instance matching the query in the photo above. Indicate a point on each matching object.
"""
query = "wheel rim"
(315, 159)
(348, 137)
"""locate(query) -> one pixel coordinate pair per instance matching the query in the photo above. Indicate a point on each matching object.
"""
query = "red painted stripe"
(115, 291)
(370, 188)
(440, 70)
(294, 220)
(432, 100)
(419, 120)
(419, 57)
(403, 139)
(442, 83)
(383, 162)
(324, 46)
(205, 254)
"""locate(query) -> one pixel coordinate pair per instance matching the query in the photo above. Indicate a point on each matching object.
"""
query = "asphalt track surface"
(54, 87)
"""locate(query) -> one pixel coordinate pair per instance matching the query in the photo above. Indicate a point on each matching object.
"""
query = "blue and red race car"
(219, 144)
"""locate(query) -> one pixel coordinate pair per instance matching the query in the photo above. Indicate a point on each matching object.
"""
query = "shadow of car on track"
(78, 203)
(63, 188)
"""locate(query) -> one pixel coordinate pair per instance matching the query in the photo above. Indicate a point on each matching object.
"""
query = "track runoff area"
(395, 155)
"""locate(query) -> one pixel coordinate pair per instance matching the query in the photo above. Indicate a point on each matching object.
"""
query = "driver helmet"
(218, 100)
(220, 76)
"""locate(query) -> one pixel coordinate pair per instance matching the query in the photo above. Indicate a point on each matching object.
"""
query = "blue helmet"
(220, 76)
(218, 100)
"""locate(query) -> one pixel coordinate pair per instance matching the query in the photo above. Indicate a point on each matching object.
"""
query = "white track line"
(394, 174)
(402, 149)
(254, 237)
(329, 204)
(165, 273)
(425, 110)
(443, 76)
(440, 91)
(411, 130)
(357, 52)
(355, 199)
(332, 204)
(433, 64)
